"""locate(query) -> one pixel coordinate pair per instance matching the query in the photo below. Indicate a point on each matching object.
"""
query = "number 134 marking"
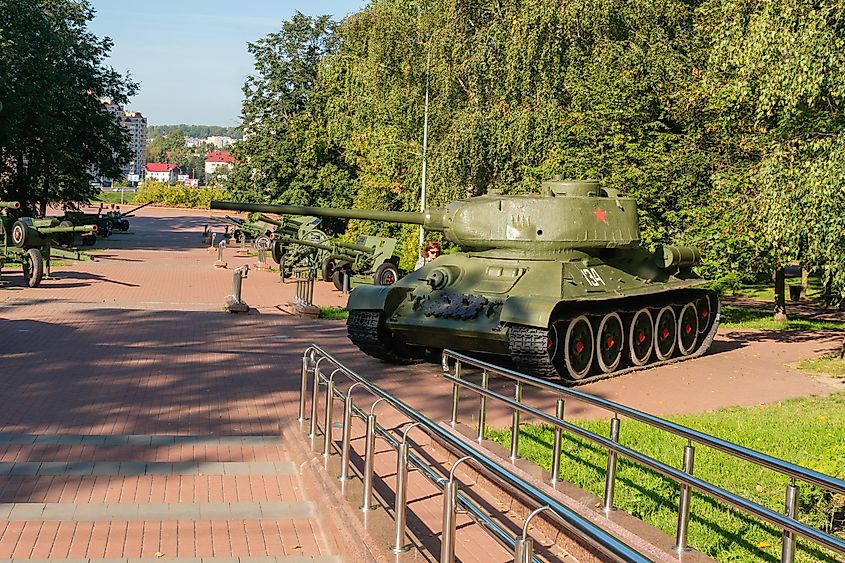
(592, 277)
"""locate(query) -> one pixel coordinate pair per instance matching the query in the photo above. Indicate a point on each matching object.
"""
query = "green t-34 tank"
(557, 281)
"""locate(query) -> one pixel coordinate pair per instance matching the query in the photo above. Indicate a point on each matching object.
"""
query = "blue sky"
(190, 56)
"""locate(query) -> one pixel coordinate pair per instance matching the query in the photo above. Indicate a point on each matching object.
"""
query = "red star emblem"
(600, 215)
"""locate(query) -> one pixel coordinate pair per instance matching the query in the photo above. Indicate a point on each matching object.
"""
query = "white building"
(216, 159)
(136, 125)
(162, 171)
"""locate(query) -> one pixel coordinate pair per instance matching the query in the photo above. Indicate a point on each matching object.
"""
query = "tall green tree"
(769, 99)
(53, 128)
(285, 155)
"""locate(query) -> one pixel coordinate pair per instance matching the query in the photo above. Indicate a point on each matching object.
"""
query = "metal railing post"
(557, 444)
(347, 434)
(523, 549)
(787, 554)
(369, 454)
(515, 423)
(683, 501)
(610, 478)
(482, 411)
(447, 542)
(315, 398)
(327, 440)
(303, 386)
(400, 504)
(456, 394)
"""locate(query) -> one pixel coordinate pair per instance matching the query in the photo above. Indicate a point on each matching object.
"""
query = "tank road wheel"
(610, 338)
(641, 338)
(665, 331)
(328, 268)
(33, 267)
(386, 274)
(687, 329)
(578, 347)
(705, 313)
(532, 349)
(367, 330)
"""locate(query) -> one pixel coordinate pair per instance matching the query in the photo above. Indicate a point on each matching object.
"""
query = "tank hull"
(523, 309)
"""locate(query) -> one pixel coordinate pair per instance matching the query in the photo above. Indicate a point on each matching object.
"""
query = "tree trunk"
(780, 295)
(805, 274)
(842, 350)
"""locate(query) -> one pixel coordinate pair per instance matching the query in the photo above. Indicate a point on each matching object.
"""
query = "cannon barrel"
(270, 220)
(410, 217)
(127, 214)
(333, 247)
(25, 234)
(10, 204)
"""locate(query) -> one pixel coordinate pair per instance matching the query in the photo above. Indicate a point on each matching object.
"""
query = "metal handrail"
(758, 458)
(787, 523)
(566, 516)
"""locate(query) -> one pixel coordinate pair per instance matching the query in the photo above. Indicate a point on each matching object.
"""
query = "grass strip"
(741, 317)
(334, 313)
(808, 431)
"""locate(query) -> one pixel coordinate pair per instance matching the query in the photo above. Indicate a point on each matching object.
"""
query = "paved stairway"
(130, 497)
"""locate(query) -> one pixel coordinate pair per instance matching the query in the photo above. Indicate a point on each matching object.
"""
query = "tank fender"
(527, 310)
(378, 297)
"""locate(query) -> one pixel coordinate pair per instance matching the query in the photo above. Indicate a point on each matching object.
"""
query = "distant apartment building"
(216, 159)
(219, 141)
(162, 171)
(136, 125)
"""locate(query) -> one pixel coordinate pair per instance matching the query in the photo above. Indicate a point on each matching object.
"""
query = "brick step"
(208, 453)
(283, 559)
(137, 468)
(150, 488)
(62, 539)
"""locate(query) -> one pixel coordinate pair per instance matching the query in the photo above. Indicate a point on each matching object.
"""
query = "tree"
(285, 155)
(771, 95)
(54, 130)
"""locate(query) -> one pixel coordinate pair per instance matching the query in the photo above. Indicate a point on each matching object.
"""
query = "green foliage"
(197, 131)
(738, 317)
(804, 431)
(53, 127)
(178, 195)
(729, 283)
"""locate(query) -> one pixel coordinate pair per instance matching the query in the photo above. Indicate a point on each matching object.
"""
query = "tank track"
(366, 330)
(529, 349)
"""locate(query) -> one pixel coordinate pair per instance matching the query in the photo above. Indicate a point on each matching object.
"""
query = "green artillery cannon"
(557, 281)
(297, 230)
(31, 242)
(369, 261)
(106, 222)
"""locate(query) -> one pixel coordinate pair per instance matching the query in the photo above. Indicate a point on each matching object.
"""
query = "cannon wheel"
(277, 252)
(328, 268)
(386, 274)
(33, 267)
(339, 269)
(65, 239)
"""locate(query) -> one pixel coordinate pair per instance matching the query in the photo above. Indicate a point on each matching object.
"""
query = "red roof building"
(216, 159)
(162, 171)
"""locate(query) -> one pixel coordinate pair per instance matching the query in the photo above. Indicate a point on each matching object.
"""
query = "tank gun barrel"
(426, 219)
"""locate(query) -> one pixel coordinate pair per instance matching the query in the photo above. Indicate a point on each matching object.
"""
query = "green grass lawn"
(765, 290)
(334, 313)
(739, 317)
(831, 365)
(114, 197)
(807, 431)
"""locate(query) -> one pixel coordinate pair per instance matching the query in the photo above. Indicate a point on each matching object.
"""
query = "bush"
(178, 195)
(729, 283)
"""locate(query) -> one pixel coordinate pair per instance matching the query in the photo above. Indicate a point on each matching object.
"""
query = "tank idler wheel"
(641, 338)
(578, 348)
(610, 337)
(368, 331)
(665, 333)
(532, 349)
(386, 274)
(687, 329)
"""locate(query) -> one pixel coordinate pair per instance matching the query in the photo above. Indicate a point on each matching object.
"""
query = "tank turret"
(557, 281)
